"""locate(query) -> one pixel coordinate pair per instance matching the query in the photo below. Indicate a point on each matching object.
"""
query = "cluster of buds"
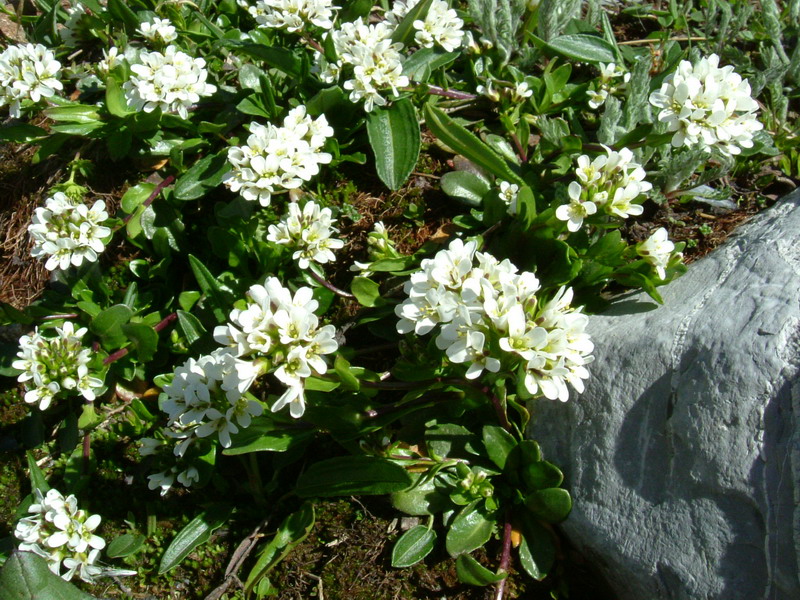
(52, 365)
(68, 232)
(278, 158)
(479, 308)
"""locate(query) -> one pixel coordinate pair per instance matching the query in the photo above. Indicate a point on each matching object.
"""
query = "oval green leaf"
(583, 47)
(352, 475)
(125, 545)
(471, 529)
(414, 545)
(551, 504)
(197, 532)
(25, 576)
(471, 572)
(465, 186)
(395, 139)
(499, 443)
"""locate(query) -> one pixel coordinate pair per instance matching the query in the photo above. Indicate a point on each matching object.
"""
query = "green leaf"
(551, 504)
(471, 572)
(352, 475)
(108, 325)
(89, 418)
(210, 286)
(450, 440)
(419, 65)
(121, 12)
(264, 435)
(115, 99)
(125, 545)
(74, 113)
(395, 139)
(537, 552)
(405, 28)
(582, 47)
(280, 58)
(471, 529)
(136, 195)
(421, 499)
(465, 186)
(38, 480)
(26, 576)
(191, 326)
(366, 291)
(197, 532)
(461, 141)
(294, 529)
(499, 443)
(414, 545)
(144, 339)
(541, 474)
(23, 133)
(205, 175)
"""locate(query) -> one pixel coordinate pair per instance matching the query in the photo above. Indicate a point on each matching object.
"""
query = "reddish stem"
(437, 91)
(505, 557)
(501, 412)
(114, 356)
(166, 182)
(327, 284)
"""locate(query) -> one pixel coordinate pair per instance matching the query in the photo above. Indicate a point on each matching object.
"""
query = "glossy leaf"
(26, 576)
(352, 475)
(115, 99)
(264, 435)
(465, 186)
(191, 326)
(366, 291)
(404, 31)
(144, 339)
(205, 175)
(583, 47)
(540, 475)
(38, 480)
(197, 532)
(461, 141)
(108, 325)
(470, 530)
(210, 286)
(499, 443)
(471, 572)
(395, 139)
(414, 545)
(551, 504)
(422, 499)
(125, 545)
(537, 551)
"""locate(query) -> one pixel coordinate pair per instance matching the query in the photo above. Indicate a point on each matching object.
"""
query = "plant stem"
(114, 356)
(437, 91)
(166, 182)
(505, 557)
(327, 284)
(501, 412)
(57, 317)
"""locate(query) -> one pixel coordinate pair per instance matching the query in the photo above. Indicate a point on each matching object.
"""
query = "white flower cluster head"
(68, 232)
(610, 182)
(284, 330)
(50, 365)
(657, 250)
(207, 395)
(61, 533)
(708, 106)
(172, 81)
(278, 158)
(610, 76)
(441, 26)
(70, 33)
(161, 31)
(489, 304)
(309, 231)
(375, 61)
(291, 15)
(27, 72)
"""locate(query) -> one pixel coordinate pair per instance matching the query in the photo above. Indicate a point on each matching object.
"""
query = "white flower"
(576, 210)
(281, 330)
(521, 92)
(52, 364)
(68, 232)
(488, 305)
(374, 60)
(27, 72)
(278, 158)
(70, 33)
(708, 106)
(597, 97)
(657, 250)
(57, 530)
(441, 25)
(173, 81)
(158, 30)
(292, 15)
(309, 232)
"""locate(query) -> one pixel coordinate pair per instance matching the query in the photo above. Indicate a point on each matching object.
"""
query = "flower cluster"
(68, 232)
(71, 33)
(52, 364)
(608, 84)
(172, 81)
(284, 330)
(379, 247)
(373, 59)
(657, 250)
(291, 15)
(278, 158)
(441, 25)
(206, 396)
(309, 232)
(610, 182)
(61, 533)
(161, 31)
(709, 106)
(491, 318)
(27, 72)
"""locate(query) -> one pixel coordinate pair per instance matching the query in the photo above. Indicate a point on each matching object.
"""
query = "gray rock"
(683, 454)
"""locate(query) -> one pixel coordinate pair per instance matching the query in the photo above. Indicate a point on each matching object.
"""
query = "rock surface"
(683, 454)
